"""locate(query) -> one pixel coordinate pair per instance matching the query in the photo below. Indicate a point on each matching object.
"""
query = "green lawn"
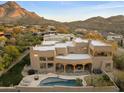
(13, 76)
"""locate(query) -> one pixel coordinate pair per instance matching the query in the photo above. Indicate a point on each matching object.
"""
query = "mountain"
(110, 24)
(11, 12)
(119, 18)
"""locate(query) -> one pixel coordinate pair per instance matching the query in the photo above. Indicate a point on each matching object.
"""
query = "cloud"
(112, 4)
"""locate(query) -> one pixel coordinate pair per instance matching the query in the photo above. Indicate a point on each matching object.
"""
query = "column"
(46, 64)
(64, 68)
(111, 66)
(92, 68)
(94, 52)
(83, 67)
(74, 68)
(54, 67)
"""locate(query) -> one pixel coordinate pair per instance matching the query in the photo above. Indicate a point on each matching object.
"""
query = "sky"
(66, 11)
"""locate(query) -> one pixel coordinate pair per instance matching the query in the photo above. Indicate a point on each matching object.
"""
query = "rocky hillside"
(14, 13)
(113, 24)
(11, 12)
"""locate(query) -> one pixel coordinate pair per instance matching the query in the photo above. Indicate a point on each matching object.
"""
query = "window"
(71, 52)
(42, 59)
(84, 48)
(50, 58)
(101, 54)
(109, 53)
(43, 65)
(35, 55)
(91, 52)
(50, 65)
(60, 54)
(108, 65)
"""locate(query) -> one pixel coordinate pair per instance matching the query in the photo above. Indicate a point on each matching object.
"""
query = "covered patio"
(71, 68)
(73, 63)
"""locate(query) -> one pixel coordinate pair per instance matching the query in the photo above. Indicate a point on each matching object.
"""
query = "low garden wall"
(8, 89)
(68, 89)
(59, 89)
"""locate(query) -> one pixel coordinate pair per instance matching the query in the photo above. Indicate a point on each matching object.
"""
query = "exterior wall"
(81, 50)
(100, 62)
(101, 48)
(35, 60)
(71, 50)
(59, 89)
(81, 47)
(68, 89)
(8, 89)
(50, 53)
(57, 37)
(65, 61)
(62, 51)
(97, 62)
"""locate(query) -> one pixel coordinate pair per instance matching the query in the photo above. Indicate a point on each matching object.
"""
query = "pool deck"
(29, 81)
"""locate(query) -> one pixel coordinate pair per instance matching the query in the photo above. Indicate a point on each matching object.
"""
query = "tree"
(3, 38)
(2, 28)
(119, 62)
(105, 77)
(16, 30)
(27, 39)
(94, 35)
(11, 41)
(1, 63)
(12, 51)
(7, 60)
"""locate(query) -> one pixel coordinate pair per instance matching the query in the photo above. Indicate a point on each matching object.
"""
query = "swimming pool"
(55, 81)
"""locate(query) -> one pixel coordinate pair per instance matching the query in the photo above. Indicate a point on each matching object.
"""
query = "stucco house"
(71, 56)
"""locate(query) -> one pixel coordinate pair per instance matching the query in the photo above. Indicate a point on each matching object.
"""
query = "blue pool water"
(55, 81)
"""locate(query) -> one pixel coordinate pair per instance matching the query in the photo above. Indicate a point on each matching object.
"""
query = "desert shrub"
(119, 62)
(105, 77)
(79, 82)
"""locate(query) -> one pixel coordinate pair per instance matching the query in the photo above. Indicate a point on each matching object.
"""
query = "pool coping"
(35, 83)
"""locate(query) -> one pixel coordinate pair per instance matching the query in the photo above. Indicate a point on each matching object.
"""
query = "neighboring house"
(116, 37)
(53, 28)
(1, 34)
(49, 30)
(71, 56)
(8, 35)
(81, 32)
(57, 37)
